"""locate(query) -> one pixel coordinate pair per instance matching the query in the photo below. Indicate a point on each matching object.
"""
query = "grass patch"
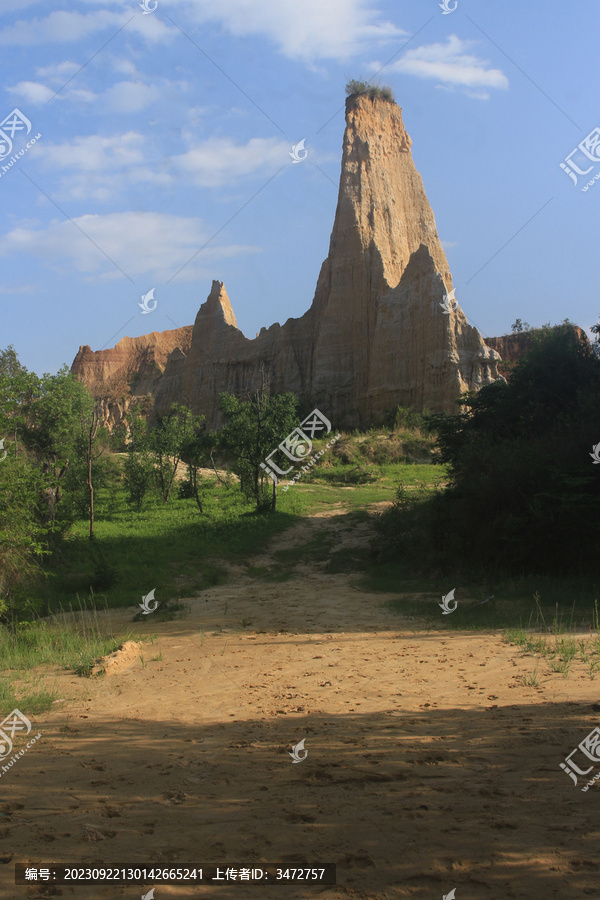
(348, 559)
(318, 549)
(171, 548)
(561, 651)
(562, 605)
(70, 643)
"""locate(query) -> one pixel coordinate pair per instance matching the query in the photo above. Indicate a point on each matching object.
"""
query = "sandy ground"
(430, 765)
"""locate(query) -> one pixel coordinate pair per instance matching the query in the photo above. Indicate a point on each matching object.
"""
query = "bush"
(344, 449)
(524, 496)
(358, 88)
(106, 574)
(138, 474)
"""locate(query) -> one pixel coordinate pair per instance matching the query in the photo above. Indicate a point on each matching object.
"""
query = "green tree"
(139, 463)
(169, 438)
(23, 532)
(254, 428)
(595, 329)
(195, 450)
(524, 493)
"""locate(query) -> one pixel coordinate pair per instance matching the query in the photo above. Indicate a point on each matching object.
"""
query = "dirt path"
(430, 765)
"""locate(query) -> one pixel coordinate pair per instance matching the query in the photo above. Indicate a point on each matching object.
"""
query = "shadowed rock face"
(511, 347)
(375, 334)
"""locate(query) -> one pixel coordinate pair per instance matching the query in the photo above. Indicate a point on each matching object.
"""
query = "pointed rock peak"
(219, 301)
(371, 110)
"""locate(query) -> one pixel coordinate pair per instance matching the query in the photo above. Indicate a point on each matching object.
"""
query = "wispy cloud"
(306, 30)
(32, 92)
(122, 97)
(452, 66)
(218, 160)
(100, 168)
(65, 27)
(103, 168)
(148, 245)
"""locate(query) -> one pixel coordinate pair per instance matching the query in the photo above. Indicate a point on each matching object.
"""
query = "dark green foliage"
(42, 424)
(172, 436)
(524, 494)
(106, 574)
(518, 326)
(254, 428)
(138, 476)
(595, 329)
(24, 532)
(357, 88)
(401, 417)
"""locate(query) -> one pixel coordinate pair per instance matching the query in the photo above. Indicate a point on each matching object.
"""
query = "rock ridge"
(377, 332)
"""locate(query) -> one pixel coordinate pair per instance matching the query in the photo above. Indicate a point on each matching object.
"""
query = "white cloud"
(16, 5)
(306, 30)
(219, 160)
(302, 29)
(32, 92)
(149, 245)
(95, 153)
(452, 65)
(101, 168)
(58, 71)
(124, 67)
(130, 96)
(64, 27)
(105, 168)
(122, 97)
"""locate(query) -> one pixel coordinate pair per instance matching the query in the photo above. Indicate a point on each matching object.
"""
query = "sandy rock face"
(130, 370)
(376, 334)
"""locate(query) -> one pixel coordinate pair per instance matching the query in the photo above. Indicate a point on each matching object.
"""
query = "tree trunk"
(171, 481)
(274, 503)
(92, 434)
(194, 473)
(91, 494)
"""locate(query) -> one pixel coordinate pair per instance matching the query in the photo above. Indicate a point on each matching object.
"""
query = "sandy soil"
(430, 765)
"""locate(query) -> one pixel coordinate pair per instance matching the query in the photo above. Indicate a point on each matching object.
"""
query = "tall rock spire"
(377, 333)
(382, 337)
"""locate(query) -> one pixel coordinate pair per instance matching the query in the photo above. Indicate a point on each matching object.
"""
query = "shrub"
(357, 88)
(524, 494)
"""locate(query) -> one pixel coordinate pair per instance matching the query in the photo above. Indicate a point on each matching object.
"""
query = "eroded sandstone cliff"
(376, 334)
(130, 371)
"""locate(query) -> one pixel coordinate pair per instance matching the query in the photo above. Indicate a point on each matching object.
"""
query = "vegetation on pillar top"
(359, 88)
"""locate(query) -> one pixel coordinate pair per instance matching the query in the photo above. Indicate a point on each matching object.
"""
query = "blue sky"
(168, 133)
